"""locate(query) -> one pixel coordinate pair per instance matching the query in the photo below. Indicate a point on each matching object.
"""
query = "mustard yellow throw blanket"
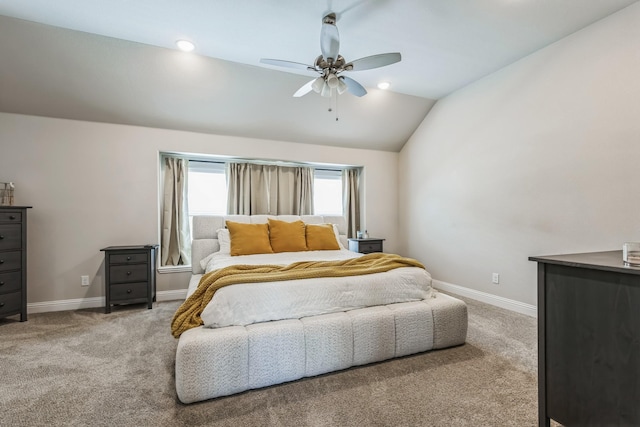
(188, 314)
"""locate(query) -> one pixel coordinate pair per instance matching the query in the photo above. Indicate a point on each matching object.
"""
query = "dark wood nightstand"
(13, 261)
(130, 275)
(366, 246)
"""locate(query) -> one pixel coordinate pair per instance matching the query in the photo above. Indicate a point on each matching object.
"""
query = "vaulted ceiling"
(115, 61)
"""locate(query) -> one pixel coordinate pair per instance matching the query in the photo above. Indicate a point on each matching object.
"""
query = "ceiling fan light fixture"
(332, 81)
(317, 85)
(342, 87)
(326, 91)
(185, 45)
(384, 85)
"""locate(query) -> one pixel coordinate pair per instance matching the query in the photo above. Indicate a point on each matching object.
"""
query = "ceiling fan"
(330, 65)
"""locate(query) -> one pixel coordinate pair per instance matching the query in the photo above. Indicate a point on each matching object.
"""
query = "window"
(207, 188)
(327, 192)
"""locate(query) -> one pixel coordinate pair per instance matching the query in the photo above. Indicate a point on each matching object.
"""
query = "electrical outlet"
(495, 278)
(84, 280)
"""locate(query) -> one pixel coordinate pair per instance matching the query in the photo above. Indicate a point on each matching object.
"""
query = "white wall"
(93, 185)
(539, 158)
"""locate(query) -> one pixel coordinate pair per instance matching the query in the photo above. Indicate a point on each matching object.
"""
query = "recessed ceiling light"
(185, 45)
(384, 85)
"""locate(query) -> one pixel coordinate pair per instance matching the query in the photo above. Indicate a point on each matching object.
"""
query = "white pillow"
(224, 239)
(204, 261)
(337, 233)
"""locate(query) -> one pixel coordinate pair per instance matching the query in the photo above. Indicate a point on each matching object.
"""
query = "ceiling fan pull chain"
(334, 103)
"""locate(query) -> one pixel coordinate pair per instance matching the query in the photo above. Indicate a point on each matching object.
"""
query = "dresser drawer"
(10, 303)
(10, 236)
(367, 248)
(10, 282)
(128, 273)
(130, 258)
(10, 260)
(128, 291)
(10, 216)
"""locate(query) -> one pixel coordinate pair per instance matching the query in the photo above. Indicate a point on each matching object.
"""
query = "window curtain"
(351, 200)
(176, 235)
(256, 189)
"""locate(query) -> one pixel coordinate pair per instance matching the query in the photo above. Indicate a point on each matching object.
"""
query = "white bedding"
(244, 304)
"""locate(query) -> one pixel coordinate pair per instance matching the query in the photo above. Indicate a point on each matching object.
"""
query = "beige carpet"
(88, 368)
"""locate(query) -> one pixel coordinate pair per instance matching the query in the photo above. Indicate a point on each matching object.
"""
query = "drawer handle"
(128, 291)
(1, 237)
(1, 304)
(128, 258)
(1, 283)
(12, 217)
(1, 261)
(128, 273)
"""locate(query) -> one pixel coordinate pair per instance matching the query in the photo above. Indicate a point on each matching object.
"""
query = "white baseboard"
(171, 295)
(64, 305)
(498, 301)
(80, 303)
(181, 294)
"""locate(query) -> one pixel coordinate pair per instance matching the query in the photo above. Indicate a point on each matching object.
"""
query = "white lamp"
(332, 81)
(342, 87)
(317, 85)
(326, 90)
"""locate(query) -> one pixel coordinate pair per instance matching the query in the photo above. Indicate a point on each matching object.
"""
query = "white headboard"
(205, 228)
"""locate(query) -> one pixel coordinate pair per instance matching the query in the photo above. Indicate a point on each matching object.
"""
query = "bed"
(245, 346)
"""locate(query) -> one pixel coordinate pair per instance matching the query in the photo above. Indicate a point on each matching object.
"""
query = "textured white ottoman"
(414, 327)
(329, 343)
(276, 352)
(212, 362)
(374, 335)
(219, 362)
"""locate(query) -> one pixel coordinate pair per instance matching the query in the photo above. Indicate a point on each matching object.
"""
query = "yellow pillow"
(287, 236)
(249, 239)
(321, 237)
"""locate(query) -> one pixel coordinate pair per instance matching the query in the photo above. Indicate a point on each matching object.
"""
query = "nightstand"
(366, 246)
(130, 275)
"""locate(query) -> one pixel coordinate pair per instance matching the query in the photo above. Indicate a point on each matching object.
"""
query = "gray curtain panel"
(351, 200)
(176, 236)
(255, 189)
(238, 188)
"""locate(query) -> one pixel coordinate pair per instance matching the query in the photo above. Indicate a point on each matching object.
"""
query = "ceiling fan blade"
(353, 87)
(375, 61)
(304, 89)
(287, 64)
(329, 41)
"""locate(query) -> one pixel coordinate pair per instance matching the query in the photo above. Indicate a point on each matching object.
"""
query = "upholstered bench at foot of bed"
(219, 362)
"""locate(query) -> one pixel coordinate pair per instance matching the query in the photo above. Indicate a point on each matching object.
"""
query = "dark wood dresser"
(588, 340)
(13, 261)
(130, 275)
(366, 246)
